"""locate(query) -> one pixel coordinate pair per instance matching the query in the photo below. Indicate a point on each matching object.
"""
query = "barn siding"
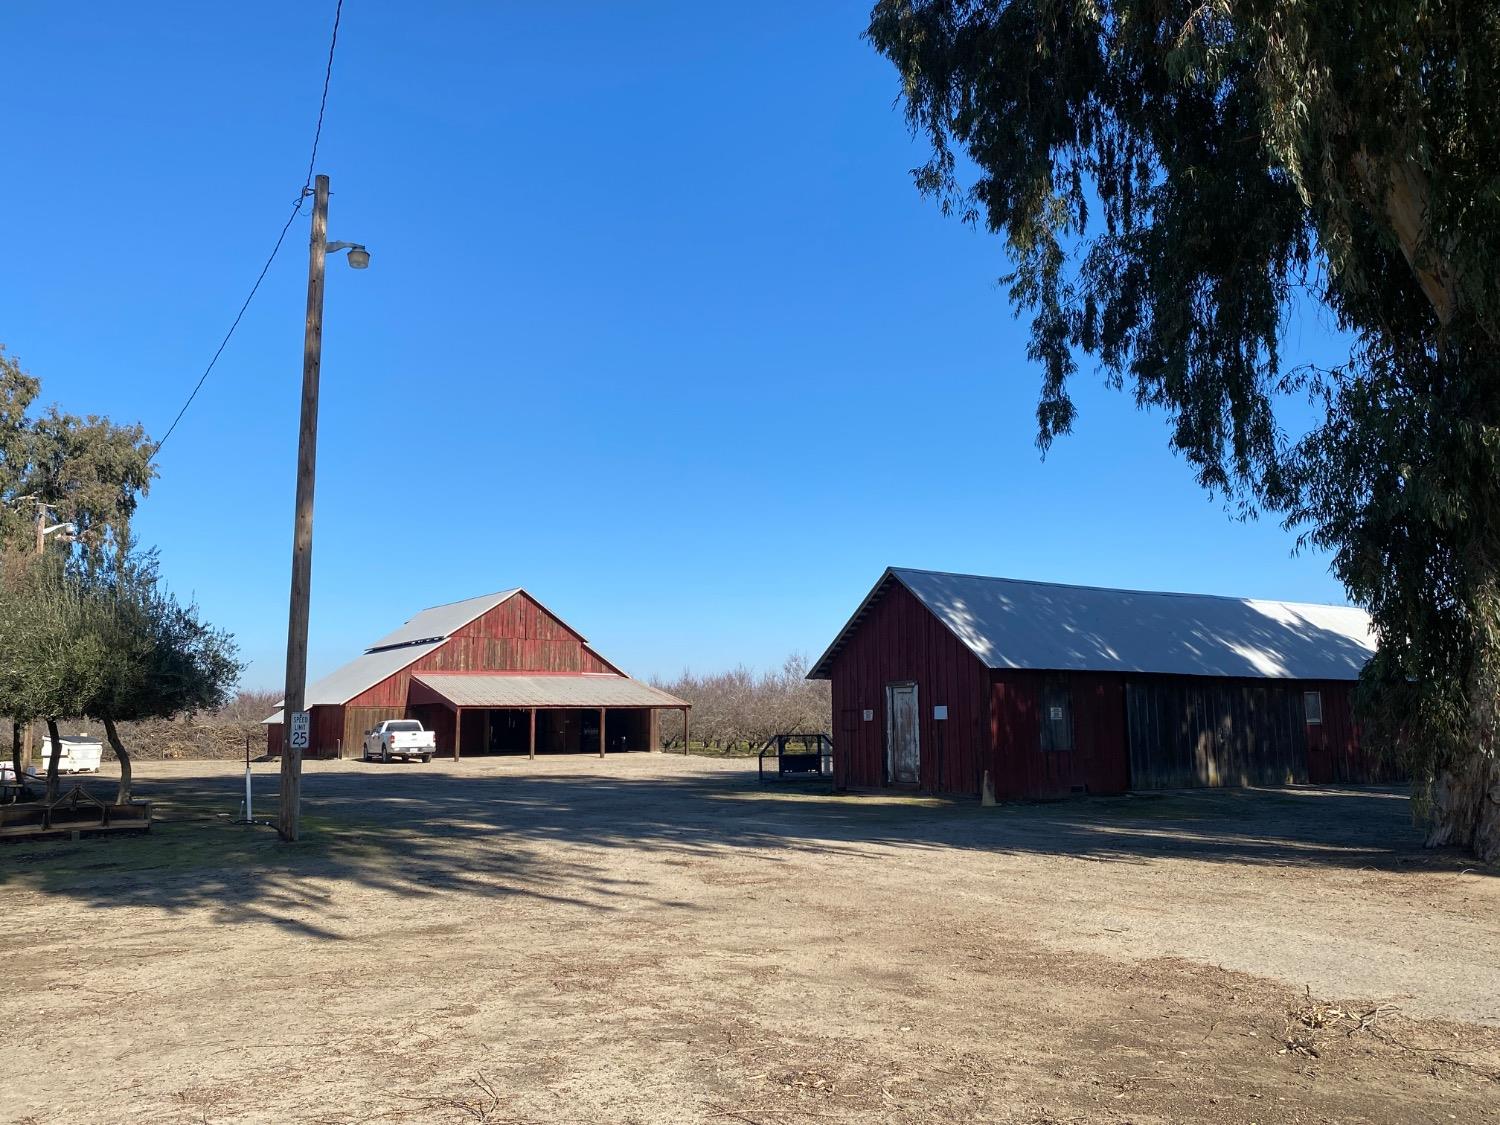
(518, 635)
(1186, 732)
(1130, 730)
(1335, 753)
(899, 640)
(1098, 762)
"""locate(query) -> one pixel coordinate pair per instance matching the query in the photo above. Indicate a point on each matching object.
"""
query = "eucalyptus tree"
(1171, 178)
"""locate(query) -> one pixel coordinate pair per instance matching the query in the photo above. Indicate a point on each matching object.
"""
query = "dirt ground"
(659, 939)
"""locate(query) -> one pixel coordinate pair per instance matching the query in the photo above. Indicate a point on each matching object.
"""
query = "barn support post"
(686, 732)
(531, 745)
(458, 731)
(601, 731)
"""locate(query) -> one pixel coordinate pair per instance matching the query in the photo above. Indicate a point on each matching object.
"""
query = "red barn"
(494, 674)
(1053, 690)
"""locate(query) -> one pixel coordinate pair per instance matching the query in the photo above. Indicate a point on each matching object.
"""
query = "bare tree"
(742, 707)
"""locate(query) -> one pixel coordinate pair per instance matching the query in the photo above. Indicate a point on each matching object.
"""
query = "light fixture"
(359, 257)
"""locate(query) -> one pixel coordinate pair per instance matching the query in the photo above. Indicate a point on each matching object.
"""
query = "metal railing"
(797, 756)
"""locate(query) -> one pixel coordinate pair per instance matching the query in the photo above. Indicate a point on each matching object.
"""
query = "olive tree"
(102, 638)
(142, 654)
(87, 471)
(1170, 178)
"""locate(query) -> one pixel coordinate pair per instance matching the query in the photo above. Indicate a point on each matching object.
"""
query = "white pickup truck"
(399, 738)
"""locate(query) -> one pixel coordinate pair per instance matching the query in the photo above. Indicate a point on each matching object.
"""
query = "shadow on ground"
(434, 831)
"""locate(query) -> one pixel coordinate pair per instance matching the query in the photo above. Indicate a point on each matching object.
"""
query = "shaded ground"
(657, 939)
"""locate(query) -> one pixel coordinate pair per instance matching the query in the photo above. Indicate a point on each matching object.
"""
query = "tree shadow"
(461, 835)
(1015, 624)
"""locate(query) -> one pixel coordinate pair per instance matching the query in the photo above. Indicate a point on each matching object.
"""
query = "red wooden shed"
(939, 679)
(493, 674)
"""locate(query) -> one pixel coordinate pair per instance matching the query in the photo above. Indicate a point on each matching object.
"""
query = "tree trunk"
(54, 761)
(15, 758)
(119, 749)
(1466, 809)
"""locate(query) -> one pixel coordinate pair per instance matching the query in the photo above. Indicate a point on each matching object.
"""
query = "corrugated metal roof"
(442, 621)
(394, 651)
(364, 671)
(509, 689)
(1008, 623)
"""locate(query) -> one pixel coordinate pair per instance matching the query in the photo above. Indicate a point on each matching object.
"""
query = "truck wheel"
(385, 754)
(426, 758)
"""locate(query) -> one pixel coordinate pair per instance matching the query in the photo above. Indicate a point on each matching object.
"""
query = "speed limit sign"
(301, 734)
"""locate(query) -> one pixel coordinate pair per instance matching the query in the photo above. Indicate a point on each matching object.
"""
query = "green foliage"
(148, 657)
(1168, 178)
(90, 471)
(103, 638)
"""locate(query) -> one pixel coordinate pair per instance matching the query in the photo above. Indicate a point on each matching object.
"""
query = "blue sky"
(656, 325)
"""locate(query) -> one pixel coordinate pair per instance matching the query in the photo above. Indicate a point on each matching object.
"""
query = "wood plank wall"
(327, 729)
(1186, 732)
(1335, 751)
(1098, 762)
(900, 640)
(518, 635)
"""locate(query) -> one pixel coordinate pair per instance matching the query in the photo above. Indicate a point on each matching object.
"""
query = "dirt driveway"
(658, 939)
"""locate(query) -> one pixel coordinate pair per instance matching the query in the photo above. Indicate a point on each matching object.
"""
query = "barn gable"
(517, 634)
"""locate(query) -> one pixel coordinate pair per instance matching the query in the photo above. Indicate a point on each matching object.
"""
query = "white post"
(249, 815)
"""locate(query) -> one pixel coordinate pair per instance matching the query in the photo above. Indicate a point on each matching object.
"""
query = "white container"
(79, 755)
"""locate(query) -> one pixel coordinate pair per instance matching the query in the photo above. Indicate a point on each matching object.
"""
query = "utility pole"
(28, 744)
(289, 823)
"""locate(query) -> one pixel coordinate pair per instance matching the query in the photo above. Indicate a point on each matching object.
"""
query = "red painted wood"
(899, 640)
(1334, 750)
(327, 730)
(518, 635)
(1099, 761)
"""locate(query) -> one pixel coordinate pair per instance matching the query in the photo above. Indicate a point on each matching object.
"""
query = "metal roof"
(361, 673)
(578, 689)
(1008, 623)
(441, 621)
(422, 634)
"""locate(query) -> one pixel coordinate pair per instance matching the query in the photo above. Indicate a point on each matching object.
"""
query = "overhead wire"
(280, 238)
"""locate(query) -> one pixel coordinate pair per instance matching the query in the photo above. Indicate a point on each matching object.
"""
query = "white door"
(902, 752)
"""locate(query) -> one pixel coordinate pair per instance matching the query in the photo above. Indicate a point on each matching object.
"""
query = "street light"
(289, 823)
(359, 257)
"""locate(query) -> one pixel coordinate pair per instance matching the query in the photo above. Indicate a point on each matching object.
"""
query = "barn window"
(1312, 703)
(1057, 716)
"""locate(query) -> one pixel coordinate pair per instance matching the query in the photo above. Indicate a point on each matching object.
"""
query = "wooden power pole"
(289, 823)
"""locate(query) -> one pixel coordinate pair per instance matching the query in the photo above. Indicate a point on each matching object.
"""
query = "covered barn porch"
(539, 713)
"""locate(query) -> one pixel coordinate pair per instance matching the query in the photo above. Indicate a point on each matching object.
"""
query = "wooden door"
(1062, 772)
(1320, 767)
(903, 756)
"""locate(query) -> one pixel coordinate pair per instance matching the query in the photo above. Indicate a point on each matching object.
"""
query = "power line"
(302, 195)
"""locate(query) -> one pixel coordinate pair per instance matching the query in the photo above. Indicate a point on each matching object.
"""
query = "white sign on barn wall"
(301, 732)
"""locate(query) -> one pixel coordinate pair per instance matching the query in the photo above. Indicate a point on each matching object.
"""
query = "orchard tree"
(1169, 177)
